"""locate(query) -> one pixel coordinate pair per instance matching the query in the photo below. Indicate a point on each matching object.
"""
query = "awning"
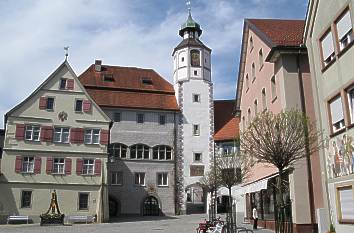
(257, 185)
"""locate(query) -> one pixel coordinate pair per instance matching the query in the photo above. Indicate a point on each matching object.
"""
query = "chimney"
(98, 65)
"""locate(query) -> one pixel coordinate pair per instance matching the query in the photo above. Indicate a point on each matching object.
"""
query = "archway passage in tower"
(196, 199)
(151, 206)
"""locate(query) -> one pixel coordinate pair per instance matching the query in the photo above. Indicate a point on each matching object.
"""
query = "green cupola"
(190, 26)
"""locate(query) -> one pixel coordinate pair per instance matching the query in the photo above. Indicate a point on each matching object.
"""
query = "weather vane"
(66, 49)
(188, 3)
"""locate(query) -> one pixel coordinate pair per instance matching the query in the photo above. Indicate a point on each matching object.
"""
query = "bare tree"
(232, 170)
(211, 182)
(281, 140)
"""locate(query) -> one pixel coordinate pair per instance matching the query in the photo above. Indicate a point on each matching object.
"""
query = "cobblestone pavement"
(178, 224)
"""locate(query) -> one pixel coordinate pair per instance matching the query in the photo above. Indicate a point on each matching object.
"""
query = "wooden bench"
(14, 218)
(81, 218)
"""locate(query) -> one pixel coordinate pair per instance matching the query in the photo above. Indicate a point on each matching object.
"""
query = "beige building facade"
(56, 139)
(329, 38)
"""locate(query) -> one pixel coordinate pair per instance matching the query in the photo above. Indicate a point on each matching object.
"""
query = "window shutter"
(97, 167)
(79, 163)
(37, 165)
(87, 105)
(18, 164)
(68, 166)
(49, 168)
(77, 135)
(73, 135)
(80, 135)
(46, 133)
(20, 131)
(70, 84)
(42, 102)
(104, 137)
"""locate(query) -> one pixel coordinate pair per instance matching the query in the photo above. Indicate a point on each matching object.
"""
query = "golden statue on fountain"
(53, 215)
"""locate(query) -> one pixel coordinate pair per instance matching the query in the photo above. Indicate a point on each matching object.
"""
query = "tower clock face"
(195, 58)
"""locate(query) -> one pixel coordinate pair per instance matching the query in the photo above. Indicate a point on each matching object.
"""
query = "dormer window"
(108, 78)
(147, 81)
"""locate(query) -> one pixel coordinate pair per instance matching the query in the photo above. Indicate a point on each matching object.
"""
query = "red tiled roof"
(125, 99)
(281, 31)
(226, 125)
(127, 90)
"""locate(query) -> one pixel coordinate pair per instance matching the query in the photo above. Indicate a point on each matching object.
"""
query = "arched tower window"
(253, 72)
(251, 43)
(249, 116)
(162, 152)
(117, 150)
(195, 57)
(139, 151)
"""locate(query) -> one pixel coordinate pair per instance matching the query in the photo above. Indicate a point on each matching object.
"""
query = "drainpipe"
(307, 146)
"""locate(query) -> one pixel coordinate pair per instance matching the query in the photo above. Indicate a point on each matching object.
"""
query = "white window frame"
(137, 149)
(139, 178)
(336, 124)
(46, 106)
(196, 130)
(138, 115)
(201, 157)
(58, 166)
(22, 196)
(196, 98)
(92, 136)
(60, 131)
(88, 167)
(34, 133)
(27, 165)
(115, 175)
(82, 105)
(162, 152)
(164, 179)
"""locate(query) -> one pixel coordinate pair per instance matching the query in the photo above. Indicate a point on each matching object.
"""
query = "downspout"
(307, 146)
(175, 163)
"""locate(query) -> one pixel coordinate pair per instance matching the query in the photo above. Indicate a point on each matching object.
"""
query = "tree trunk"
(280, 218)
(230, 211)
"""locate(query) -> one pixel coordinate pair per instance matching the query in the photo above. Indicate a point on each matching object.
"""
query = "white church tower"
(194, 93)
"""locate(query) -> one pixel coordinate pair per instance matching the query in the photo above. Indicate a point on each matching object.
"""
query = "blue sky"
(139, 33)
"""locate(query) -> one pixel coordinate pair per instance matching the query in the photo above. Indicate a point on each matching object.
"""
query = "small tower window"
(264, 99)
(195, 57)
(182, 59)
(260, 57)
(274, 87)
(253, 72)
(196, 98)
(195, 72)
(196, 130)
(251, 43)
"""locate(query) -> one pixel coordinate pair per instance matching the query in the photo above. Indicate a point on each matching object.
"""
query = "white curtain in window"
(336, 110)
(327, 45)
(347, 203)
(344, 25)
